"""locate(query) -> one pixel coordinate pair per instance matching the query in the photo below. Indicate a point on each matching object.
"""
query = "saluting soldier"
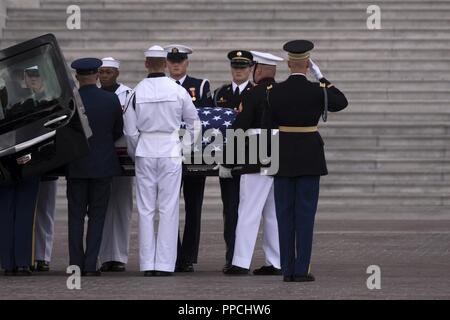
(256, 189)
(89, 178)
(230, 96)
(295, 108)
(193, 186)
(116, 233)
(152, 120)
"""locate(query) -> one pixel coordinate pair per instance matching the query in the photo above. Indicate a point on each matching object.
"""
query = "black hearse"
(43, 125)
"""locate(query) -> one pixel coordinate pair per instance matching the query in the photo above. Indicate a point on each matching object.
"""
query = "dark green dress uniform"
(225, 97)
(295, 107)
(89, 178)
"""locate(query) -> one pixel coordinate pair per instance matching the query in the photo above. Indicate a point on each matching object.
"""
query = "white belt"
(252, 132)
(159, 134)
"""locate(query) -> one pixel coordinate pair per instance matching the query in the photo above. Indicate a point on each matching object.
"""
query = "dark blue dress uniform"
(295, 107)
(89, 178)
(17, 206)
(225, 97)
(193, 186)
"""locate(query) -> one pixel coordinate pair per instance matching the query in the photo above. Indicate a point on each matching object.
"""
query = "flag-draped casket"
(214, 123)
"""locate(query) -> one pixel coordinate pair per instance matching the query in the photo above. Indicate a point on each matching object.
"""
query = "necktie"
(178, 82)
(236, 91)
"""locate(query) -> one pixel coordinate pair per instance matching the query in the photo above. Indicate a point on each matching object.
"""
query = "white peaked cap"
(32, 68)
(156, 52)
(110, 62)
(178, 48)
(265, 58)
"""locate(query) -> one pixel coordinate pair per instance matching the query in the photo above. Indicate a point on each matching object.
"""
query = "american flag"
(218, 120)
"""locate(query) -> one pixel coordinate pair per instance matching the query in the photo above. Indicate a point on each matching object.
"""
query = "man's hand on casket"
(224, 172)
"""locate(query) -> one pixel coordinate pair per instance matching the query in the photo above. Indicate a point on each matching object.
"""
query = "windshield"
(28, 84)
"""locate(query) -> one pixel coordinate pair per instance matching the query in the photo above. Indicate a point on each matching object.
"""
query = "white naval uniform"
(151, 126)
(45, 220)
(117, 228)
(256, 201)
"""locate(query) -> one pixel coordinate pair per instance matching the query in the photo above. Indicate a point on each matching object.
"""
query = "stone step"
(398, 107)
(247, 5)
(351, 114)
(112, 30)
(237, 13)
(381, 141)
(394, 187)
(388, 152)
(385, 128)
(399, 166)
(135, 50)
(430, 3)
(164, 23)
(326, 52)
(201, 40)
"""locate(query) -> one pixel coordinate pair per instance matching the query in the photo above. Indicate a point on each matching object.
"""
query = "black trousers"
(193, 191)
(87, 197)
(229, 189)
(17, 206)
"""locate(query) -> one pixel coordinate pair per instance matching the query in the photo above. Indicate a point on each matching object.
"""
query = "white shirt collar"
(181, 80)
(298, 74)
(241, 86)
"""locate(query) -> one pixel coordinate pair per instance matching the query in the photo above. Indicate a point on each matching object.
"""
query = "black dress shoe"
(117, 267)
(185, 267)
(235, 270)
(162, 274)
(226, 267)
(288, 279)
(10, 273)
(23, 272)
(106, 267)
(149, 273)
(267, 271)
(42, 266)
(97, 273)
(307, 278)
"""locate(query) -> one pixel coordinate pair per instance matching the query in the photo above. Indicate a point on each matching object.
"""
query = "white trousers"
(158, 180)
(256, 201)
(45, 220)
(117, 228)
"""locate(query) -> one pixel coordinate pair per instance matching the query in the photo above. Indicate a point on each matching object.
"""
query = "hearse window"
(28, 84)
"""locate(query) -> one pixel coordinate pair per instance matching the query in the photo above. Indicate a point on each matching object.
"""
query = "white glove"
(224, 172)
(315, 71)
